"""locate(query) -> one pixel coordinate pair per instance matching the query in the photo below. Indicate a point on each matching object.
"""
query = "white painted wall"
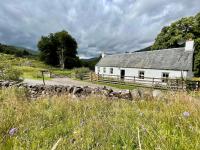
(150, 73)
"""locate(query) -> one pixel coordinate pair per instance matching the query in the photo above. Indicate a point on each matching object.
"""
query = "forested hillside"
(90, 63)
(174, 35)
(17, 51)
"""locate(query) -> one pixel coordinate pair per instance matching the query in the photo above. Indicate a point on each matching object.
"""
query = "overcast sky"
(98, 25)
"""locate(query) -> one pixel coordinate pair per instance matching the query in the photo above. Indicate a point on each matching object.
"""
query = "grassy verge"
(98, 123)
(62, 72)
(118, 86)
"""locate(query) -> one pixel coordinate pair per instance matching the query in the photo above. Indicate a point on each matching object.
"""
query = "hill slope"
(17, 51)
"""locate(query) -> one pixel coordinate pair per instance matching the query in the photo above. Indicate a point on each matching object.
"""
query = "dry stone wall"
(36, 91)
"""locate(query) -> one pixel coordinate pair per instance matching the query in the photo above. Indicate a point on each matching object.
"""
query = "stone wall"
(36, 91)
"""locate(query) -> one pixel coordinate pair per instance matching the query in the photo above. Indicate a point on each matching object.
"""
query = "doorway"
(122, 75)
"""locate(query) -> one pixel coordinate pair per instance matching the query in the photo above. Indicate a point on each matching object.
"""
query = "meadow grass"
(118, 86)
(99, 123)
(31, 68)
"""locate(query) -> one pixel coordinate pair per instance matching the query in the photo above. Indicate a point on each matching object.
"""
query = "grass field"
(118, 86)
(31, 68)
(98, 123)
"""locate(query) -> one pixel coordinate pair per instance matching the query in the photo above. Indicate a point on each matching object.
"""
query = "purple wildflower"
(12, 131)
(186, 114)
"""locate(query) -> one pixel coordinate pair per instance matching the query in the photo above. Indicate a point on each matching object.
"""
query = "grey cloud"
(104, 25)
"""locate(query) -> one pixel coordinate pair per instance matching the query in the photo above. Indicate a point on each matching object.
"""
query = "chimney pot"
(189, 45)
(103, 54)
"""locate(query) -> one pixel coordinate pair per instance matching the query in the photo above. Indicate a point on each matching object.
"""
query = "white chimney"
(189, 45)
(103, 54)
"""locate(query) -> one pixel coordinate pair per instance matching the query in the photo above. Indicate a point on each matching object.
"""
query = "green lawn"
(99, 123)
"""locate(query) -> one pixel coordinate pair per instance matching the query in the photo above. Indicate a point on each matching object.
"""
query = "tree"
(57, 48)
(181, 30)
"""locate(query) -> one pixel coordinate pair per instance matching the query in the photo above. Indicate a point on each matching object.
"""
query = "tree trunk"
(61, 58)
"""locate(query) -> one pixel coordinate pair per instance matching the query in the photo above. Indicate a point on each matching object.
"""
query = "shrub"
(7, 72)
(80, 72)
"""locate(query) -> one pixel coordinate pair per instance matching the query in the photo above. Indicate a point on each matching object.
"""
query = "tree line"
(18, 52)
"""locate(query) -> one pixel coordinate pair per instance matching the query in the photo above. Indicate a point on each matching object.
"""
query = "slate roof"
(165, 59)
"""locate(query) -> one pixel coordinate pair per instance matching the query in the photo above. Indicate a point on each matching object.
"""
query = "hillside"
(17, 51)
(144, 49)
(90, 63)
(30, 67)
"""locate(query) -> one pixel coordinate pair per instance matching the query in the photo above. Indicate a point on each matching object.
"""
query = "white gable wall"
(151, 73)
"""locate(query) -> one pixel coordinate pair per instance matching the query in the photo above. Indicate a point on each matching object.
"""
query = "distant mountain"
(91, 62)
(144, 49)
(33, 52)
(17, 51)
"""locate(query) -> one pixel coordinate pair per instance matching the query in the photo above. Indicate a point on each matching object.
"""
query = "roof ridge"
(147, 51)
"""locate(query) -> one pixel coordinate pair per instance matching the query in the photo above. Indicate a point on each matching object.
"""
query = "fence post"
(91, 77)
(153, 81)
(43, 77)
(177, 84)
(182, 84)
(134, 79)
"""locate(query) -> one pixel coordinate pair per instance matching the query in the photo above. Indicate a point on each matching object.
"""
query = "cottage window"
(104, 70)
(165, 77)
(141, 75)
(98, 69)
(111, 70)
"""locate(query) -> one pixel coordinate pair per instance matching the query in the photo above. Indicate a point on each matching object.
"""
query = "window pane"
(141, 74)
(165, 77)
(111, 70)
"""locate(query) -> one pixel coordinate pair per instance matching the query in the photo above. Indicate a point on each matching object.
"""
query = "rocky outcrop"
(36, 91)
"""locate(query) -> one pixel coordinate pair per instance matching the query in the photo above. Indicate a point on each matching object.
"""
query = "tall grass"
(99, 123)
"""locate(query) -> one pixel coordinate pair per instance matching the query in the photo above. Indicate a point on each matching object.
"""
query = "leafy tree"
(47, 46)
(59, 49)
(181, 30)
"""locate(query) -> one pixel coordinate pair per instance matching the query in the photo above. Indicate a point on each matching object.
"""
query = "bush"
(7, 72)
(80, 72)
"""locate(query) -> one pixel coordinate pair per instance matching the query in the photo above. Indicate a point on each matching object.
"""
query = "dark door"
(122, 74)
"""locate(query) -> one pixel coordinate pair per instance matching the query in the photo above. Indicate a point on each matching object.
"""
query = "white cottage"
(165, 63)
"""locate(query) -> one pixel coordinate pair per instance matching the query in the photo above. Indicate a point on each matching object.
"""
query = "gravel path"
(64, 81)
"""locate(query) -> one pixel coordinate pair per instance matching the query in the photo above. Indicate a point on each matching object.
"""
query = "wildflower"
(186, 114)
(12, 131)
(72, 140)
(82, 123)
(143, 128)
(141, 114)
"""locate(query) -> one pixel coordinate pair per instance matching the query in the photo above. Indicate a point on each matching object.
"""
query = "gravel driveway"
(63, 81)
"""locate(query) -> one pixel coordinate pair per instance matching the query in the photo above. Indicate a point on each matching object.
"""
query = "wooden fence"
(161, 83)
